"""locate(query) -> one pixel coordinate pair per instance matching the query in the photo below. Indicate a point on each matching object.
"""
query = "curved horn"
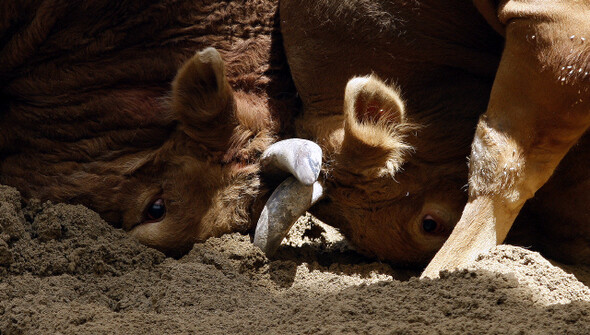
(302, 158)
(286, 204)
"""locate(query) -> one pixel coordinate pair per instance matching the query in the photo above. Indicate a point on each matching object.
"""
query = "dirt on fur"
(63, 270)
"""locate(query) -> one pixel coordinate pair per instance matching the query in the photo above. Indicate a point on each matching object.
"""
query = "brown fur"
(442, 57)
(86, 114)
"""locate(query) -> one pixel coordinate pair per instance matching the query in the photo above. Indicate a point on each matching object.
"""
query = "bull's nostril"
(429, 224)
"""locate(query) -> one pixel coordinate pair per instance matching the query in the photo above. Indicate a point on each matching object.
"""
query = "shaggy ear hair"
(374, 127)
(203, 100)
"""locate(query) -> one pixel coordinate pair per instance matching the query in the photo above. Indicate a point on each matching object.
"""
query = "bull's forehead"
(396, 202)
(412, 180)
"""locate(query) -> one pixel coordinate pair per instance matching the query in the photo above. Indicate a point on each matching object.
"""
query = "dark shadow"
(284, 101)
(582, 272)
(337, 257)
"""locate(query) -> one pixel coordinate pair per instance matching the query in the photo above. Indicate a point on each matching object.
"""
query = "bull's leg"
(539, 107)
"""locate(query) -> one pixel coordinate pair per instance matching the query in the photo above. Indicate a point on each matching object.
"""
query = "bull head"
(212, 159)
(385, 213)
(377, 192)
(208, 166)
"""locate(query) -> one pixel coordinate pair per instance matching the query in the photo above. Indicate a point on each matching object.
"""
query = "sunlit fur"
(539, 109)
(440, 58)
(371, 198)
(88, 114)
(384, 174)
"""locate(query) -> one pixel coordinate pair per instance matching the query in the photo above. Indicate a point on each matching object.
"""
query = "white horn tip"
(302, 158)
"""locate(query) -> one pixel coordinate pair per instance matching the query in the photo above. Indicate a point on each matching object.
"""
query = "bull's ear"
(374, 126)
(203, 100)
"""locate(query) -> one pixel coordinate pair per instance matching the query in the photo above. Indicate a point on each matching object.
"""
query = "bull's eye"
(156, 211)
(429, 224)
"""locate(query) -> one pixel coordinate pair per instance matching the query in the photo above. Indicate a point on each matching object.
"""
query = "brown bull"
(86, 113)
(395, 172)
(177, 170)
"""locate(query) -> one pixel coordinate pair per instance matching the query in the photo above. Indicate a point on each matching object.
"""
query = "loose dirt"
(65, 271)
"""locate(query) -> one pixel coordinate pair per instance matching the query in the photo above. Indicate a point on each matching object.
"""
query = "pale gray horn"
(301, 158)
(286, 204)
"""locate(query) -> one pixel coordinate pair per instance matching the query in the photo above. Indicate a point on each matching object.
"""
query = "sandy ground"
(65, 271)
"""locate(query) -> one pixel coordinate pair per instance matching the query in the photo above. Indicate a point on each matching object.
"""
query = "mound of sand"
(64, 270)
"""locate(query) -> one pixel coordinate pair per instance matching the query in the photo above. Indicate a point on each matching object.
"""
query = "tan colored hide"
(441, 59)
(539, 108)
